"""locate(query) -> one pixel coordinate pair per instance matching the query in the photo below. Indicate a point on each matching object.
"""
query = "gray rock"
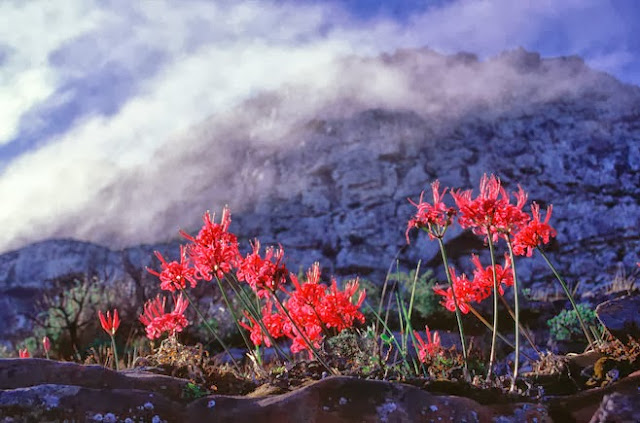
(618, 408)
(84, 393)
(620, 316)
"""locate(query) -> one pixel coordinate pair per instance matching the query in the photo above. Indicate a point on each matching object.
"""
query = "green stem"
(213, 332)
(492, 355)
(256, 314)
(516, 360)
(233, 314)
(523, 330)
(392, 338)
(408, 328)
(115, 352)
(455, 302)
(488, 325)
(566, 291)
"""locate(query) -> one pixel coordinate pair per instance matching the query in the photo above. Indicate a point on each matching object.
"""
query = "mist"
(129, 121)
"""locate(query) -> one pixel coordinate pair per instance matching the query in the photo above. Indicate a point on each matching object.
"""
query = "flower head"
(463, 290)
(175, 275)
(429, 348)
(157, 321)
(214, 251)
(263, 274)
(491, 212)
(110, 324)
(315, 308)
(534, 234)
(275, 323)
(434, 218)
(340, 309)
(24, 353)
(483, 278)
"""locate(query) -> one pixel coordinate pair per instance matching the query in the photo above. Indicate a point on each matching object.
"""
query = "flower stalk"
(110, 325)
(516, 361)
(311, 347)
(566, 291)
(457, 307)
(494, 333)
(211, 330)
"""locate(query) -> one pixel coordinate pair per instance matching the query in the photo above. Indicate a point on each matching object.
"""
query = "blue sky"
(93, 88)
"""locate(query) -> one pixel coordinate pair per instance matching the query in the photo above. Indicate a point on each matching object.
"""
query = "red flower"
(337, 309)
(110, 325)
(24, 353)
(316, 308)
(534, 233)
(46, 343)
(214, 251)
(157, 321)
(309, 293)
(511, 217)
(433, 217)
(263, 274)
(304, 305)
(276, 324)
(312, 307)
(313, 333)
(483, 278)
(490, 212)
(463, 289)
(429, 348)
(175, 275)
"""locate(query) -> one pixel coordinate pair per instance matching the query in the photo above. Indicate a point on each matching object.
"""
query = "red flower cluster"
(491, 212)
(314, 309)
(24, 353)
(276, 324)
(427, 349)
(157, 321)
(109, 324)
(464, 290)
(264, 275)
(434, 218)
(483, 277)
(534, 233)
(175, 275)
(214, 251)
(479, 288)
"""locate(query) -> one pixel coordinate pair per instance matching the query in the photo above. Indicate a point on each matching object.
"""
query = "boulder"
(620, 316)
(618, 408)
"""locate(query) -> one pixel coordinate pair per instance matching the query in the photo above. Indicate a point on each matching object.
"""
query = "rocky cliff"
(334, 187)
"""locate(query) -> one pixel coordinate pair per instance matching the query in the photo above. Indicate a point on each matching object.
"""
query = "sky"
(92, 90)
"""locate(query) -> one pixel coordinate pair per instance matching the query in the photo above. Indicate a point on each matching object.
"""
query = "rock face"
(338, 193)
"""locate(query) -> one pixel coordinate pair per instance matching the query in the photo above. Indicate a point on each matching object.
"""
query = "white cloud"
(194, 59)
(29, 32)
